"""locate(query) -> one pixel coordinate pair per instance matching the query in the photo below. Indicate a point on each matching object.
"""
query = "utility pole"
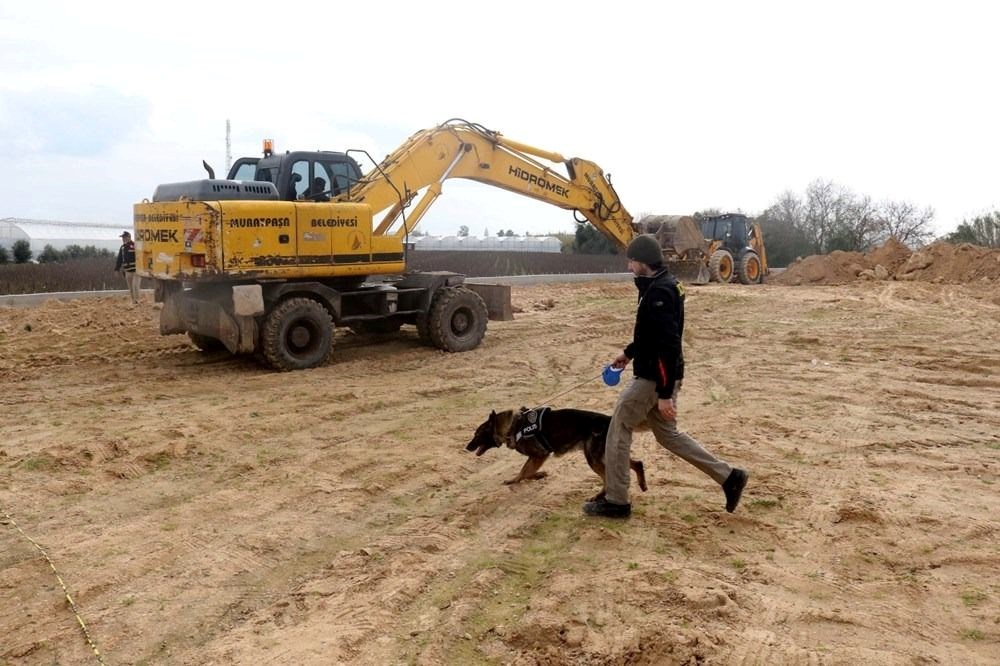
(229, 148)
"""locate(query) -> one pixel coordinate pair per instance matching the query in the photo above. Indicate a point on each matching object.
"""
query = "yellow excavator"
(272, 258)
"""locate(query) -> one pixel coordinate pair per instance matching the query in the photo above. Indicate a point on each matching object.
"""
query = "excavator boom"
(459, 149)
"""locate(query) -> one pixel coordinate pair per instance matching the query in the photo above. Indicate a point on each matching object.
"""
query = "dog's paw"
(598, 497)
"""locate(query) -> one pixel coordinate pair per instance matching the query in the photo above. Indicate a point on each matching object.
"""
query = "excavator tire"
(205, 343)
(749, 271)
(297, 334)
(720, 266)
(457, 319)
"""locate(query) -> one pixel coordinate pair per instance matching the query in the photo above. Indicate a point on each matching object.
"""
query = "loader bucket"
(689, 271)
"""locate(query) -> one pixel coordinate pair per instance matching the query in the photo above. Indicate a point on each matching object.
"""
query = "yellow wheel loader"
(716, 248)
(735, 248)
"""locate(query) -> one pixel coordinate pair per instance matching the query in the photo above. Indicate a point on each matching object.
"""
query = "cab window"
(267, 175)
(298, 185)
(340, 174)
(245, 171)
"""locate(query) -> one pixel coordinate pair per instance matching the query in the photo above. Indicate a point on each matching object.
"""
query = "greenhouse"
(488, 244)
(59, 235)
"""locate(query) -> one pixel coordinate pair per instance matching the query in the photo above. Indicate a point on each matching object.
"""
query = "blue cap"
(612, 375)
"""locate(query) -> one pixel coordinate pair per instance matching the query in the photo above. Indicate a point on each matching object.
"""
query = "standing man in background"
(126, 264)
(652, 395)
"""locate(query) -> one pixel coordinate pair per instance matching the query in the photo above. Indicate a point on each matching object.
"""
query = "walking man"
(652, 395)
(126, 264)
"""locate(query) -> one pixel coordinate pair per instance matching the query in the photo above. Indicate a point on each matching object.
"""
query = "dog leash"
(571, 388)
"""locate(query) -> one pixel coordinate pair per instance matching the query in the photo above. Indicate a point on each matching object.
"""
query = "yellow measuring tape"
(72, 605)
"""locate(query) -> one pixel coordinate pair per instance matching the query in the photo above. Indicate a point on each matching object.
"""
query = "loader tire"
(720, 266)
(457, 319)
(297, 334)
(749, 270)
(205, 343)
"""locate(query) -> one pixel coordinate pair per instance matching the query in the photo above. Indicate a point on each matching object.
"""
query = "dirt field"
(204, 511)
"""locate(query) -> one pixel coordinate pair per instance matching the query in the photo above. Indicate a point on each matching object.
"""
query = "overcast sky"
(687, 105)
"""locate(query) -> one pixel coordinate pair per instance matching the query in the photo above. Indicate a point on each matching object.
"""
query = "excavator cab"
(296, 173)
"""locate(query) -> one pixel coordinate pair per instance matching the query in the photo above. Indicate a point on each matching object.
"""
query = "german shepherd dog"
(539, 434)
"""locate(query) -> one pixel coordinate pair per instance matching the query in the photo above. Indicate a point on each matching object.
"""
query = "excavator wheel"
(297, 334)
(205, 343)
(457, 319)
(749, 270)
(720, 266)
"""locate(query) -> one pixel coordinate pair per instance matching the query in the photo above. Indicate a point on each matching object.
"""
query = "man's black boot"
(603, 507)
(733, 487)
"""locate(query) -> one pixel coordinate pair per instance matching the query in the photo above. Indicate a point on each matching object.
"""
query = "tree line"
(20, 253)
(829, 217)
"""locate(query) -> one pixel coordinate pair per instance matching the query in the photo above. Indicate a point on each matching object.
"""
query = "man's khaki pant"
(133, 281)
(637, 403)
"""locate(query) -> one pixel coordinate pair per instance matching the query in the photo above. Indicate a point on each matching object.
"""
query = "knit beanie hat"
(646, 249)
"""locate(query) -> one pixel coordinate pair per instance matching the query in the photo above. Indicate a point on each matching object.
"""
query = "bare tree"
(783, 224)
(788, 209)
(858, 225)
(905, 222)
(833, 217)
(827, 210)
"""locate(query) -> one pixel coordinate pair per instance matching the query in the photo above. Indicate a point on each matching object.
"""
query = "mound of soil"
(939, 262)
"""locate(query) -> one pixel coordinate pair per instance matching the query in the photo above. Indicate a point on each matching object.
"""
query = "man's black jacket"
(655, 349)
(126, 258)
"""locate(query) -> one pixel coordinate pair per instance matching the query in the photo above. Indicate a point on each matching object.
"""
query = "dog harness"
(530, 423)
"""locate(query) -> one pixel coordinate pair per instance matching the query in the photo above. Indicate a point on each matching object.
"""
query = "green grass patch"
(160, 460)
(545, 548)
(973, 634)
(973, 597)
(37, 464)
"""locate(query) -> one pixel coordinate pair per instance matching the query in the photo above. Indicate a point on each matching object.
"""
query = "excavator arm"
(459, 149)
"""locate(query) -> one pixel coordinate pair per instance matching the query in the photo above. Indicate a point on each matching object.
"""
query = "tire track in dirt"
(333, 515)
